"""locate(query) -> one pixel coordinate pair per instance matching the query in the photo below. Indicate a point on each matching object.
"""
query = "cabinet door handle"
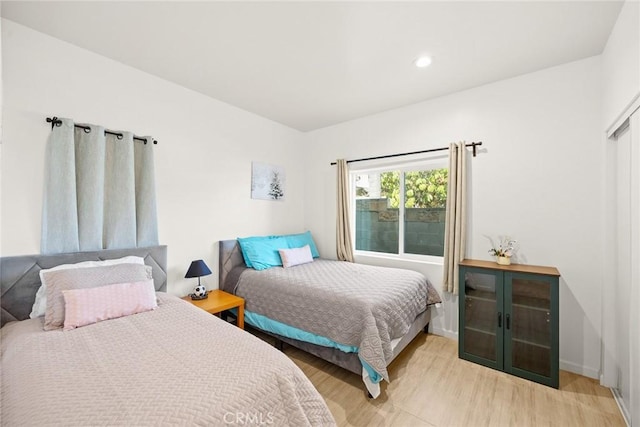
(508, 322)
(499, 320)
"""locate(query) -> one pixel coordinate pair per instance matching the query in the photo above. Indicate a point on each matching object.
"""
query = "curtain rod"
(57, 122)
(473, 145)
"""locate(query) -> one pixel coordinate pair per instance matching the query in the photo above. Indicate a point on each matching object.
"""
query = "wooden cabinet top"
(520, 268)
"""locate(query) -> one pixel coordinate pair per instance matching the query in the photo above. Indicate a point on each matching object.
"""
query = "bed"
(355, 316)
(173, 365)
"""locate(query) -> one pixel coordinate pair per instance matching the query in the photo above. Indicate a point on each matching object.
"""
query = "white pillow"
(296, 256)
(40, 304)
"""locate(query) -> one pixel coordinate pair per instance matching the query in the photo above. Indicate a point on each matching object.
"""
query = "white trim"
(402, 215)
(564, 365)
(626, 113)
(420, 259)
(452, 335)
(609, 373)
(579, 369)
(634, 329)
(623, 408)
(401, 167)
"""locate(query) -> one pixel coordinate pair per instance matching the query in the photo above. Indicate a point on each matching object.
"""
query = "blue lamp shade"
(196, 269)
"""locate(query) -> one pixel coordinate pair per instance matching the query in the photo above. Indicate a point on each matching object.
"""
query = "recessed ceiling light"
(422, 61)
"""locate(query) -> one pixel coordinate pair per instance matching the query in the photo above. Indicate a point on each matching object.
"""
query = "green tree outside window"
(423, 189)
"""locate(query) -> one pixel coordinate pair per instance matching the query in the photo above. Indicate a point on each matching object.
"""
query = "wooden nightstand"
(220, 301)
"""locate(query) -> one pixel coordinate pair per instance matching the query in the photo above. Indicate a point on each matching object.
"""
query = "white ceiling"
(313, 64)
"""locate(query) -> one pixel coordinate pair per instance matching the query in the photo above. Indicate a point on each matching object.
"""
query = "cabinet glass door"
(529, 325)
(482, 317)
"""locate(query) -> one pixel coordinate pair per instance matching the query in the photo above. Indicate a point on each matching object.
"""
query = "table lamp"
(197, 269)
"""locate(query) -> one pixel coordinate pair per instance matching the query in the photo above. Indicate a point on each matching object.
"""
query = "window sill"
(438, 261)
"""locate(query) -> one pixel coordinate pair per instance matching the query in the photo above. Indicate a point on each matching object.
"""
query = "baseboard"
(579, 369)
(623, 408)
(564, 365)
(445, 333)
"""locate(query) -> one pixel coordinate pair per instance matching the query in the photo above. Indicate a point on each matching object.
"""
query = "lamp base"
(195, 297)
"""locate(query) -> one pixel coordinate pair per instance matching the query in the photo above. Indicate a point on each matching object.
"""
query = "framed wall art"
(267, 181)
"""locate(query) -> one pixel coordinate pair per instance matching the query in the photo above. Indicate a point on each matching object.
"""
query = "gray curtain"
(455, 227)
(99, 191)
(344, 246)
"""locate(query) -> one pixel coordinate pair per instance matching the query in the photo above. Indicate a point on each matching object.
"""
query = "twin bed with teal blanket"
(356, 316)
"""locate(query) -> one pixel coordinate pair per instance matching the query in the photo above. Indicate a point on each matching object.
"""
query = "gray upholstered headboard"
(230, 264)
(20, 279)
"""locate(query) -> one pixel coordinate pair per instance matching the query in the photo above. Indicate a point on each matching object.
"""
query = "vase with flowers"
(503, 251)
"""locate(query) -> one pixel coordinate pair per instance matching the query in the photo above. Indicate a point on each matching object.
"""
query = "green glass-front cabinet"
(509, 318)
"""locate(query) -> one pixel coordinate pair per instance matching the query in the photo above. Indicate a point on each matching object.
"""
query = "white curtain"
(344, 245)
(99, 191)
(455, 227)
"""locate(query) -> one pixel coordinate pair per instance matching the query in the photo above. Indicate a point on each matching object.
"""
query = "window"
(417, 195)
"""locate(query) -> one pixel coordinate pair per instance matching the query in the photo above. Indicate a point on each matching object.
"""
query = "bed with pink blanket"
(172, 364)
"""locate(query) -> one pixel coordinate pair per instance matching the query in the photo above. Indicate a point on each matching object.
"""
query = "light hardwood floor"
(430, 386)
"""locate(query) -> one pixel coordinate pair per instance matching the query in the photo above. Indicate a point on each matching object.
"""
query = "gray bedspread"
(352, 304)
(177, 365)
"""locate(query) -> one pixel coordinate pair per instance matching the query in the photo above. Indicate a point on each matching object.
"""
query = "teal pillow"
(261, 253)
(245, 243)
(300, 240)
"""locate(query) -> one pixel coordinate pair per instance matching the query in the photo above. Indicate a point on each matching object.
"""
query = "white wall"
(621, 63)
(203, 159)
(538, 179)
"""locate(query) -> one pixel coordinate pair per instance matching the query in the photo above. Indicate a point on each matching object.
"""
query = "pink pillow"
(296, 256)
(92, 305)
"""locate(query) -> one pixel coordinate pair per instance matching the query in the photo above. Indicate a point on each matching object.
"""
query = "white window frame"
(428, 164)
